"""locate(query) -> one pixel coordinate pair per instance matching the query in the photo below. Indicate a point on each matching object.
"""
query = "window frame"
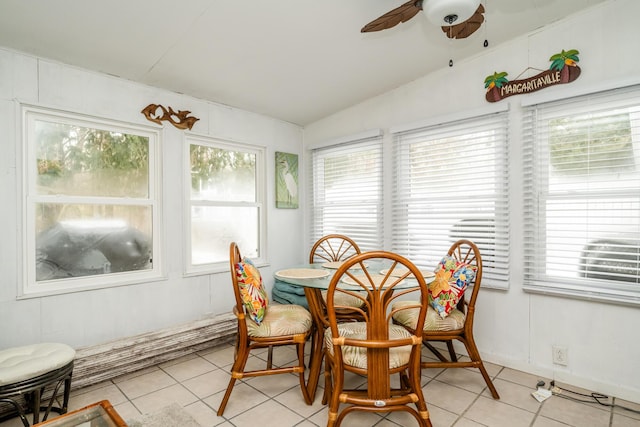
(536, 194)
(488, 134)
(372, 240)
(191, 269)
(29, 287)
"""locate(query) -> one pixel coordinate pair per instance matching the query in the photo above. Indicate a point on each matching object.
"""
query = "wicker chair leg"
(474, 354)
(452, 352)
(35, 405)
(326, 396)
(270, 357)
(21, 413)
(238, 366)
(227, 394)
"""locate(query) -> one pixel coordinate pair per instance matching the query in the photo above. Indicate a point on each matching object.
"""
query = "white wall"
(91, 317)
(514, 328)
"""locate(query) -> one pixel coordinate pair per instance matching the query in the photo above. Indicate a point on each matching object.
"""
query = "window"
(346, 192)
(90, 203)
(226, 190)
(582, 179)
(451, 183)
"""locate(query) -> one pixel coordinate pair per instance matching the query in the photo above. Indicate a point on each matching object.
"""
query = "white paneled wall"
(94, 317)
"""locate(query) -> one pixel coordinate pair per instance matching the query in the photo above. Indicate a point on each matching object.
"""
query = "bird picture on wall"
(286, 180)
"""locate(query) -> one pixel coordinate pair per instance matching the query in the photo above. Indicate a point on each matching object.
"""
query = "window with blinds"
(451, 182)
(582, 196)
(346, 192)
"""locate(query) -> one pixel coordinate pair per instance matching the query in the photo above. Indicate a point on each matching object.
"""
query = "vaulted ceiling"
(295, 60)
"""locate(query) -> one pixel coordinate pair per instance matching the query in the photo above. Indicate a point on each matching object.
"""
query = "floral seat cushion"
(357, 356)
(281, 319)
(342, 299)
(433, 321)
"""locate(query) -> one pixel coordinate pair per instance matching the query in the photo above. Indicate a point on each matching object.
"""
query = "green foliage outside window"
(579, 144)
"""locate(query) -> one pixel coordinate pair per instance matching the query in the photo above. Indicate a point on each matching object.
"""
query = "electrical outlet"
(560, 356)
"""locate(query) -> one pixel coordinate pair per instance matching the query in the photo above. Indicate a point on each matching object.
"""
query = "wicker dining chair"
(375, 348)
(449, 321)
(334, 248)
(261, 325)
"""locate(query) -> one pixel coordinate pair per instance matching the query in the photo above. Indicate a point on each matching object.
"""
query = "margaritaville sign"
(564, 69)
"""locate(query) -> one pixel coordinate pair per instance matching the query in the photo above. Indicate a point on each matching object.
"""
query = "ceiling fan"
(458, 18)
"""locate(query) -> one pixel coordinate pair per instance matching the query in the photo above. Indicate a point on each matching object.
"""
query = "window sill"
(595, 295)
(61, 289)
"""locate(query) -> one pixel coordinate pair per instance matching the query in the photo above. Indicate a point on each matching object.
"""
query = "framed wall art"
(286, 180)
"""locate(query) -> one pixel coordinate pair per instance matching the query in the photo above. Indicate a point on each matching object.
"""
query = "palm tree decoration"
(497, 80)
(562, 61)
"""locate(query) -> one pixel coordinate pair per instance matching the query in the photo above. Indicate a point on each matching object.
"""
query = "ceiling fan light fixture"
(449, 12)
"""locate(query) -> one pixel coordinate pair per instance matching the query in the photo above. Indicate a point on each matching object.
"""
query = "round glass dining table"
(315, 278)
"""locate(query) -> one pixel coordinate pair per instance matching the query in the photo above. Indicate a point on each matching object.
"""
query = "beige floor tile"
(470, 380)
(14, 422)
(627, 409)
(145, 384)
(267, 414)
(108, 391)
(514, 394)
(622, 421)
(547, 422)
(494, 413)
(294, 400)
(255, 363)
(178, 360)
(439, 417)
(448, 397)
(91, 387)
(358, 418)
(320, 417)
(522, 378)
(221, 356)
(203, 414)
(284, 356)
(465, 422)
(574, 413)
(189, 368)
(209, 383)
(389, 423)
(274, 385)
(135, 374)
(127, 411)
(353, 381)
(242, 399)
(492, 369)
(152, 402)
(430, 373)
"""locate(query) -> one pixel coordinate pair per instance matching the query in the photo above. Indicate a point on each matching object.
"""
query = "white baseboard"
(102, 362)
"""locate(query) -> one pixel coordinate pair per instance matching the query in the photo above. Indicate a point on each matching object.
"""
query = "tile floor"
(455, 397)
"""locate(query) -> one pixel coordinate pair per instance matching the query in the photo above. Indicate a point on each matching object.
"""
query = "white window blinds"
(346, 192)
(582, 196)
(451, 182)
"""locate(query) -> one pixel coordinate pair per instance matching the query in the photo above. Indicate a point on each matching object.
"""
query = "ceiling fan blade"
(394, 17)
(466, 28)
